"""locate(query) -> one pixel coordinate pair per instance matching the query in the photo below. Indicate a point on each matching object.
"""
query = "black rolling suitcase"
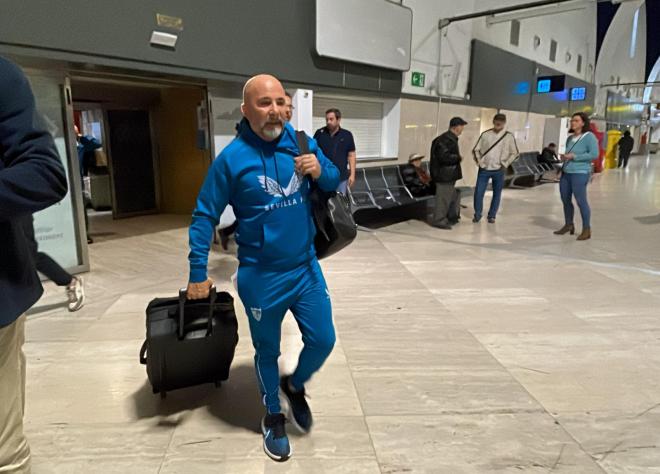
(189, 342)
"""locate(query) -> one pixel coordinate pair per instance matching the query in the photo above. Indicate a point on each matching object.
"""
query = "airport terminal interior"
(470, 337)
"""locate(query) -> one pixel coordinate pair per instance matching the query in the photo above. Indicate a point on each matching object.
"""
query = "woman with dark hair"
(581, 150)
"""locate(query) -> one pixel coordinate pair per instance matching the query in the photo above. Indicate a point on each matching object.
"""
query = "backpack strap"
(301, 138)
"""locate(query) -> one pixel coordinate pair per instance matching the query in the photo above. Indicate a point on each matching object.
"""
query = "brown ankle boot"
(566, 229)
(585, 235)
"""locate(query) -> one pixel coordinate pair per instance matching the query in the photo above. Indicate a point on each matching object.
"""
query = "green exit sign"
(418, 79)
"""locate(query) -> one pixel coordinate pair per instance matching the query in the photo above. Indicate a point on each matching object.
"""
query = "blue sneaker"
(276, 443)
(299, 413)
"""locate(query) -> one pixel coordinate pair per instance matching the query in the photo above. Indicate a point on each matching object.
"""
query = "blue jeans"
(575, 184)
(267, 295)
(343, 187)
(482, 183)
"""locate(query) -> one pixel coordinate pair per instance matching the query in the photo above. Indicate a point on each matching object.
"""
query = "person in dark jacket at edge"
(549, 158)
(549, 155)
(446, 170)
(626, 145)
(416, 179)
(31, 179)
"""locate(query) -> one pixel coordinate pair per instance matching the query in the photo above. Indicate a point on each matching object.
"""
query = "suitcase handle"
(182, 304)
(143, 353)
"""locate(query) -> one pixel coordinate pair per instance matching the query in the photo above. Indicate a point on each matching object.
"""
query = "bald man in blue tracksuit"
(266, 181)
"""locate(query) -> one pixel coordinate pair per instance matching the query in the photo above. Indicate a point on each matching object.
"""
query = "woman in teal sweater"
(581, 150)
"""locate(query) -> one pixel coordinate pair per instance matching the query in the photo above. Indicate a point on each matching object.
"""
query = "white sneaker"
(76, 294)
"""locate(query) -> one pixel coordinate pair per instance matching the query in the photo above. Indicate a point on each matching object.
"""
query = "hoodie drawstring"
(277, 172)
(263, 162)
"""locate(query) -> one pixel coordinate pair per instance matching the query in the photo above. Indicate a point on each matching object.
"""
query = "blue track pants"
(267, 295)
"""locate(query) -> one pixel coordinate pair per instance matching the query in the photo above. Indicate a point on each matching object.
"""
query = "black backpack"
(335, 226)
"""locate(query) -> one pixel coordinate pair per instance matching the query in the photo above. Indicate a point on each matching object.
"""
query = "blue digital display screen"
(521, 88)
(543, 86)
(578, 93)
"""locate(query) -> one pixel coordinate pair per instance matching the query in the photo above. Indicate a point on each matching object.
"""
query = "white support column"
(302, 110)
(391, 128)
(556, 131)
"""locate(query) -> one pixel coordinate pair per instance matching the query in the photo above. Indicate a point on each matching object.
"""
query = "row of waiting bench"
(383, 187)
(527, 167)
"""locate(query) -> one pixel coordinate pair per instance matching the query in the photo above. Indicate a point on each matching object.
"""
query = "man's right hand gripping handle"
(199, 291)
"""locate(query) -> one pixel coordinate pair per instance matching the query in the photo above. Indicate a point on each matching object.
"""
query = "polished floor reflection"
(488, 348)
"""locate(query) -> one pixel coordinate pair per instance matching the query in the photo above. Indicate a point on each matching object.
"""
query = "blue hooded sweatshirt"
(270, 201)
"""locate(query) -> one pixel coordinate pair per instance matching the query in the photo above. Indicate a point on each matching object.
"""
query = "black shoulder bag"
(335, 226)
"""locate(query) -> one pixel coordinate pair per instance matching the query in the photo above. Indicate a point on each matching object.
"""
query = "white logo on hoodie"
(274, 188)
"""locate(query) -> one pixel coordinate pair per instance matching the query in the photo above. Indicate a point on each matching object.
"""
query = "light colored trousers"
(14, 449)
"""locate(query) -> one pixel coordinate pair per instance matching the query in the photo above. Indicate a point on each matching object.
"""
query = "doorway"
(132, 162)
(152, 149)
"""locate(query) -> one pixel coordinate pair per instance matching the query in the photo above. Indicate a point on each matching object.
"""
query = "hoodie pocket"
(286, 239)
(251, 237)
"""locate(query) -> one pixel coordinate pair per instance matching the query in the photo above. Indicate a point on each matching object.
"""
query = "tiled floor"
(489, 348)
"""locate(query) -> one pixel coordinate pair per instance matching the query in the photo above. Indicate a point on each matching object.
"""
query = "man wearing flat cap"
(446, 170)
